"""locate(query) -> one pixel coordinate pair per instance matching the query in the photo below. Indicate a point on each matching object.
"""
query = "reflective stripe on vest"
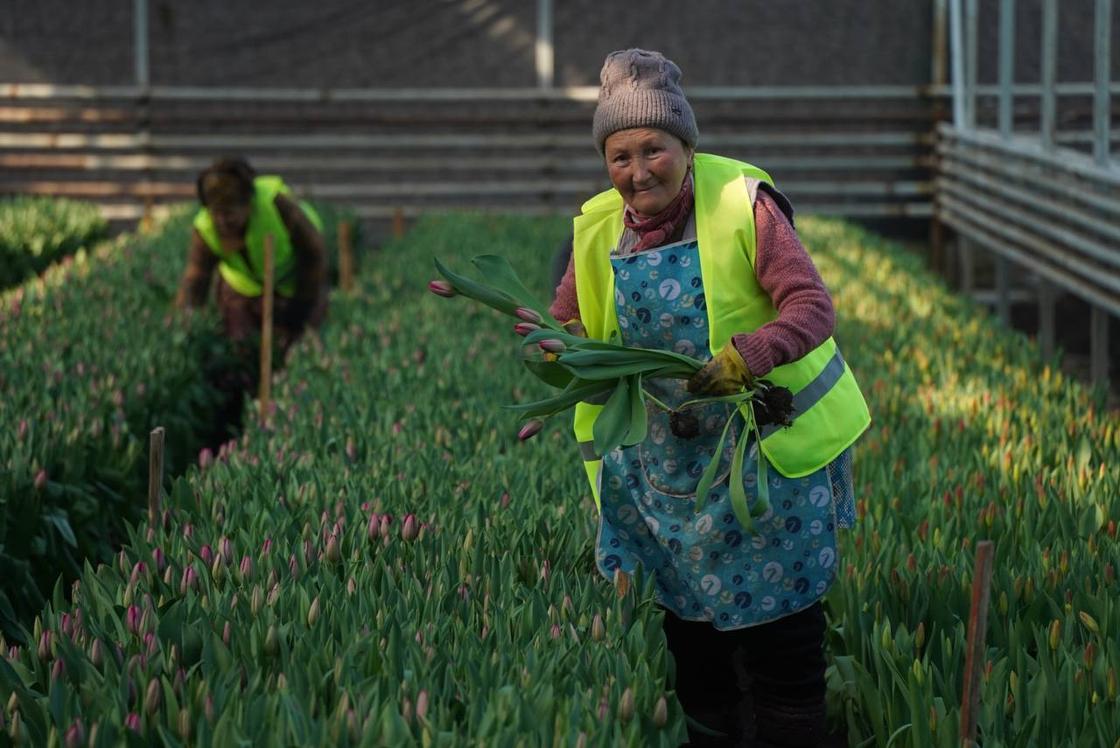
(830, 410)
(264, 218)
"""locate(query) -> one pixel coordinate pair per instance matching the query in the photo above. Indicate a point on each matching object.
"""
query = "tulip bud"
(44, 650)
(626, 706)
(660, 712)
(386, 521)
(552, 345)
(373, 529)
(555, 631)
(96, 653)
(920, 635)
(205, 458)
(313, 613)
(58, 669)
(1089, 621)
(189, 579)
(132, 722)
(15, 730)
(272, 641)
(75, 736)
(293, 566)
(266, 547)
(40, 480)
(226, 631)
(246, 569)
(334, 552)
(1055, 633)
(530, 429)
(409, 530)
(524, 328)
(184, 724)
(598, 630)
(528, 315)
(22, 431)
(442, 288)
(206, 554)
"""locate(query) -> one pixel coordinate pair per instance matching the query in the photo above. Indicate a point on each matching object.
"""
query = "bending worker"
(238, 210)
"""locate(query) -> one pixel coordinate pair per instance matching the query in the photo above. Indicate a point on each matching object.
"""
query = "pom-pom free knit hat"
(642, 89)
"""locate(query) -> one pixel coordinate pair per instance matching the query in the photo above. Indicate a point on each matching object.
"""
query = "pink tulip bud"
(226, 631)
(442, 288)
(398, 427)
(546, 570)
(351, 586)
(58, 669)
(206, 554)
(386, 520)
(524, 328)
(266, 548)
(552, 345)
(351, 450)
(40, 480)
(554, 632)
(151, 644)
(334, 552)
(96, 655)
(22, 431)
(205, 457)
(293, 566)
(132, 619)
(189, 580)
(422, 705)
(409, 530)
(152, 696)
(226, 551)
(66, 624)
(528, 315)
(132, 722)
(75, 736)
(159, 559)
(530, 429)
(504, 501)
(373, 529)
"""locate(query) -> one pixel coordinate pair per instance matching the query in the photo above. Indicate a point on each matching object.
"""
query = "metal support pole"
(140, 41)
(1003, 290)
(1098, 352)
(972, 62)
(967, 251)
(1006, 65)
(1047, 299)
(938, 74)
(1049, 72)
(545, 51)
(957, 60)
(1102, 103)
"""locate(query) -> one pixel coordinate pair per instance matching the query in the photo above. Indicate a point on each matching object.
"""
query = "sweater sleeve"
(786, 272)
(309, 248)
(195, 284)
(565, 305)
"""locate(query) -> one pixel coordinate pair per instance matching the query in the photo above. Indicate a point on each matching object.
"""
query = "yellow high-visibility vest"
(829, 410)
(264, 219)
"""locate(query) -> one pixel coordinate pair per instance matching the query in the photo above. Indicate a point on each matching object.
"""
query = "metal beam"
(1102, 103)
(1049, 73)
(956, 51)
(1006, 65)
(545, 55)
(140, 42)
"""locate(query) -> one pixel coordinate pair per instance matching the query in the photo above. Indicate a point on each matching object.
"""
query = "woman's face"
(231, 220)
(647, 166)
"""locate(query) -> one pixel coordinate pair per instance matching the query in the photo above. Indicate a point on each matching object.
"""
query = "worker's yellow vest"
(264, 218)
(830, 412)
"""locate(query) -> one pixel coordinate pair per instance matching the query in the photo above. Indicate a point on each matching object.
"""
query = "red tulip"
(524, 328)
(442, 288)
(530, 429)
(529, 315)
(132, 722)
(552, 345)
(40, 480)
(409, 530)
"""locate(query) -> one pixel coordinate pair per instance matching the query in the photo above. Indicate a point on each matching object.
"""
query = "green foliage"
(278, 605)
(38, 231)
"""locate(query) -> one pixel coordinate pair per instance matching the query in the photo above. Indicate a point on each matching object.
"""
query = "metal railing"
(1040, 200)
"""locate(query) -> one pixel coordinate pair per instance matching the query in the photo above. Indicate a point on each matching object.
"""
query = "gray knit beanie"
(642, 89)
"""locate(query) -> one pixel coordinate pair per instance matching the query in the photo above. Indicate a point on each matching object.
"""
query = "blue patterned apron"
(706, 566)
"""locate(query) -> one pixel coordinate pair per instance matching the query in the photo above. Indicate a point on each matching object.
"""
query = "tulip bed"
(37, 231)
(383, 562)
(91, 359)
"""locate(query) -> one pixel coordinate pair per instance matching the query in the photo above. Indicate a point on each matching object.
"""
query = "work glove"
(575, 327)
(725, 374)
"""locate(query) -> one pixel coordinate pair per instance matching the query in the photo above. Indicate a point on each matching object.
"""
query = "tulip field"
(380, 561)
(37, 231)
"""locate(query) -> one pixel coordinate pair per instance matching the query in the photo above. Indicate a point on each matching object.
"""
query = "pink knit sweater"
(786, 272)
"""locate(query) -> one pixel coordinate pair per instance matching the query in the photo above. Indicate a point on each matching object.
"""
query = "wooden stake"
(155, 474)
(977, 630)
(398, 223)
(345, 257)
(265, 393)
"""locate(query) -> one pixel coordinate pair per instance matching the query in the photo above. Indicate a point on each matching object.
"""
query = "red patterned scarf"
(659, 229)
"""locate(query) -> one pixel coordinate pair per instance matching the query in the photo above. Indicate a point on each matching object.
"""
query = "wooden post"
(265, 392)
(155, 474)
(398, 223)
(345, 257)
(977, 630)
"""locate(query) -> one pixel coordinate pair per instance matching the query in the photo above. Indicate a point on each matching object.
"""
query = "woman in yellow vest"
(238, 210)
(697, 253)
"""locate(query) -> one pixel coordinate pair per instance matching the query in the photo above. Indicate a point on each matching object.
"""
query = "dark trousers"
(775, 670)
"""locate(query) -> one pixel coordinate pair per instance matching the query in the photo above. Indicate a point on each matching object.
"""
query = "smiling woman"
(696, 254)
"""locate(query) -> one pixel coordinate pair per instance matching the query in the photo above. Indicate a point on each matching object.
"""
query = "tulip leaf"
(578, 390)
(736, 490)
(639, 421)
(500, 275)
(710, 472)
(499, 300)
(549, 372)
(613, 422)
